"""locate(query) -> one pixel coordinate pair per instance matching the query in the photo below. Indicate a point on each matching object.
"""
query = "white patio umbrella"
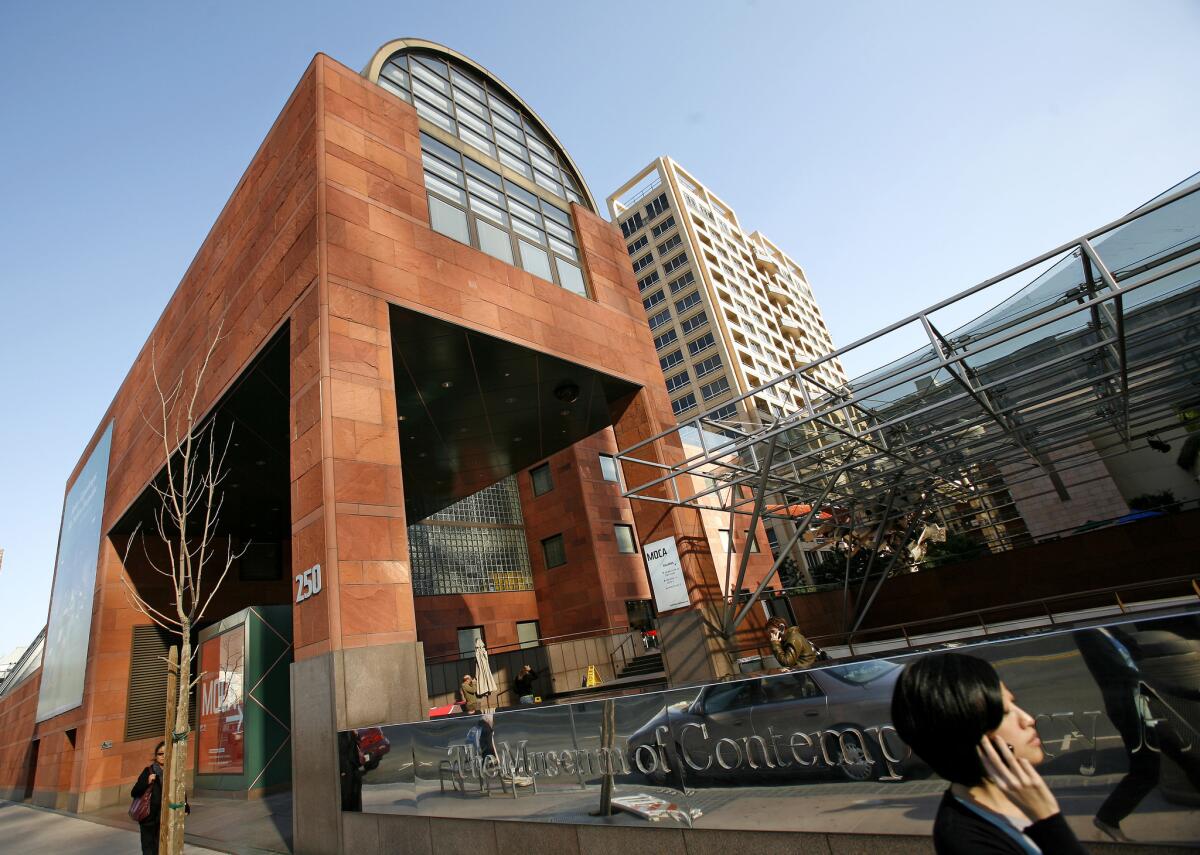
(485, 680)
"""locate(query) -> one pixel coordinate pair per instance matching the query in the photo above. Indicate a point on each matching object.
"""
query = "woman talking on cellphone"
(960, 719)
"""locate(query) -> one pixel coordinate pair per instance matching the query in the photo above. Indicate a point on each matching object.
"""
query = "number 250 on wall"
(308, 583)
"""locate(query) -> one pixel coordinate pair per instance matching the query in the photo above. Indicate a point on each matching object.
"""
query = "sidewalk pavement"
(37, 831)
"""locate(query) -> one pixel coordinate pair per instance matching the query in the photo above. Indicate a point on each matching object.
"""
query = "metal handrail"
(904, 629)
(542, 641)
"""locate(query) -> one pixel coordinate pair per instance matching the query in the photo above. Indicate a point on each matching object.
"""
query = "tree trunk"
(179, 748)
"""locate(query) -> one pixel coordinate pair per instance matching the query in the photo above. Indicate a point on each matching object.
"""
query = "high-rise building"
(729, 310)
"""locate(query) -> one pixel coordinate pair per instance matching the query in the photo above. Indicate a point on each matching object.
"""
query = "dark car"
(833, 720)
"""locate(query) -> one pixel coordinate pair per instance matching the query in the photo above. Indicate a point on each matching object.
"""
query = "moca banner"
(666, 575)
(70, 622)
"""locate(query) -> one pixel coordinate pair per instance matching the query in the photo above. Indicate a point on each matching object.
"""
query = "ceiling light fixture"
(567, 392)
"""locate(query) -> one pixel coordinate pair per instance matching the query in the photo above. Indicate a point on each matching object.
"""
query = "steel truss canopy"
(1099, 337)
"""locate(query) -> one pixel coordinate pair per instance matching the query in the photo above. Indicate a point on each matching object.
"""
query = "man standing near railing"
(791, 648)
(524, 684)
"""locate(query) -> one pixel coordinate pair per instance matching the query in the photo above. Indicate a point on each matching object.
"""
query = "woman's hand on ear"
(1017, 779)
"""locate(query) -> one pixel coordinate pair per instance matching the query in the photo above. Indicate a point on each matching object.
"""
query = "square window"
(553, 551)
(608, 468)
(539, 476)
(625, 540)
(466, 640)
(528, 633)
(448, 220)
(495, 242)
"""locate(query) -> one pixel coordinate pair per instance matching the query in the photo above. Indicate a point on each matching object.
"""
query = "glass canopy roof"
(1099, 336)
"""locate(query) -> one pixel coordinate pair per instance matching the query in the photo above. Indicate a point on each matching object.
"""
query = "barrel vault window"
(495, 180)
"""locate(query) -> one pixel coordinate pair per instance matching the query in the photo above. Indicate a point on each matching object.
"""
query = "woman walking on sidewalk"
(151, 778)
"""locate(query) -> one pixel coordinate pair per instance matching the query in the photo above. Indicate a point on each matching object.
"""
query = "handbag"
(139, 808)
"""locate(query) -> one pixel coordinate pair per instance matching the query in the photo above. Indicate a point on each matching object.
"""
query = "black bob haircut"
(942, 707)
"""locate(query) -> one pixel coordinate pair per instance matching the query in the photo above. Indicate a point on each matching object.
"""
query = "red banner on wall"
(220, 717)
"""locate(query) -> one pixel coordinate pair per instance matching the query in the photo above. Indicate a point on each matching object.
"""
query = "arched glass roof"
(467, 107)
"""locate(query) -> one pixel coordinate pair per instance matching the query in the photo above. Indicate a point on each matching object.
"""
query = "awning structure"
(1100, 336)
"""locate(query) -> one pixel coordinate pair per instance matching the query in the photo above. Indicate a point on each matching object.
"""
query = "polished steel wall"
(815, 750)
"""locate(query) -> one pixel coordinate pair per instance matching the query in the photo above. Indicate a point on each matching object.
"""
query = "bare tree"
(186, 514)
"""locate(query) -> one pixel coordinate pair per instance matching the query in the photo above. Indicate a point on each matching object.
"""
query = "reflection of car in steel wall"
(801, 722)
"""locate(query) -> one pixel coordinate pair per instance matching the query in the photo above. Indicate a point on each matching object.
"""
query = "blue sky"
(900, 152)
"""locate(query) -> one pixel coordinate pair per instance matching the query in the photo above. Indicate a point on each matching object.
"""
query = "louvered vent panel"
(146, 709)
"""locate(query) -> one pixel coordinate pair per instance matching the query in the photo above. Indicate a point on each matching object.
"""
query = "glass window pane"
(608, 468)
(535, 260)
(436, 116)
(523, 228)
(465, 101)
(430, 69)
(625, 542)
(574, 197)
(556, 213)
(542, 481)
(522, 195)
(545, 166)
(490, 211)
(484, 191)
(495, 242)
(540, 147)
(435, 98)
(396, 74)
(565, 235)
(503, 109)
(483, 173)
(515, 164)
(429, 144)
(445, 188)
(395, 90)
(513, 148)
(471, 138)
(467, 638)
(441, 169)
(460, 79)
(478, 125)
(553, 551)
(571, 277)
(525, 213)
(563, 249)
(508, 128)
(550, 184)
(448, 220)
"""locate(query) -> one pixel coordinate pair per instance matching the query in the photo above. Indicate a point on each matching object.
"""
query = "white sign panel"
(666, 575)
(74, 587)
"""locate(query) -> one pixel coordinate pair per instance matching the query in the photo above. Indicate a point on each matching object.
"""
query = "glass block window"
(625, 539)
(553, 551)
(478, 206)
(476, 545)
(542, 481)
(476, 111)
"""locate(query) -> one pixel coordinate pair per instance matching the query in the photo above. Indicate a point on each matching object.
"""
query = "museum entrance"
(240, 705)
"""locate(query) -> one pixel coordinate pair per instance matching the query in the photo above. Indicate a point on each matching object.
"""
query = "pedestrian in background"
(151, 778)
(524, 684)
(469, 694)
